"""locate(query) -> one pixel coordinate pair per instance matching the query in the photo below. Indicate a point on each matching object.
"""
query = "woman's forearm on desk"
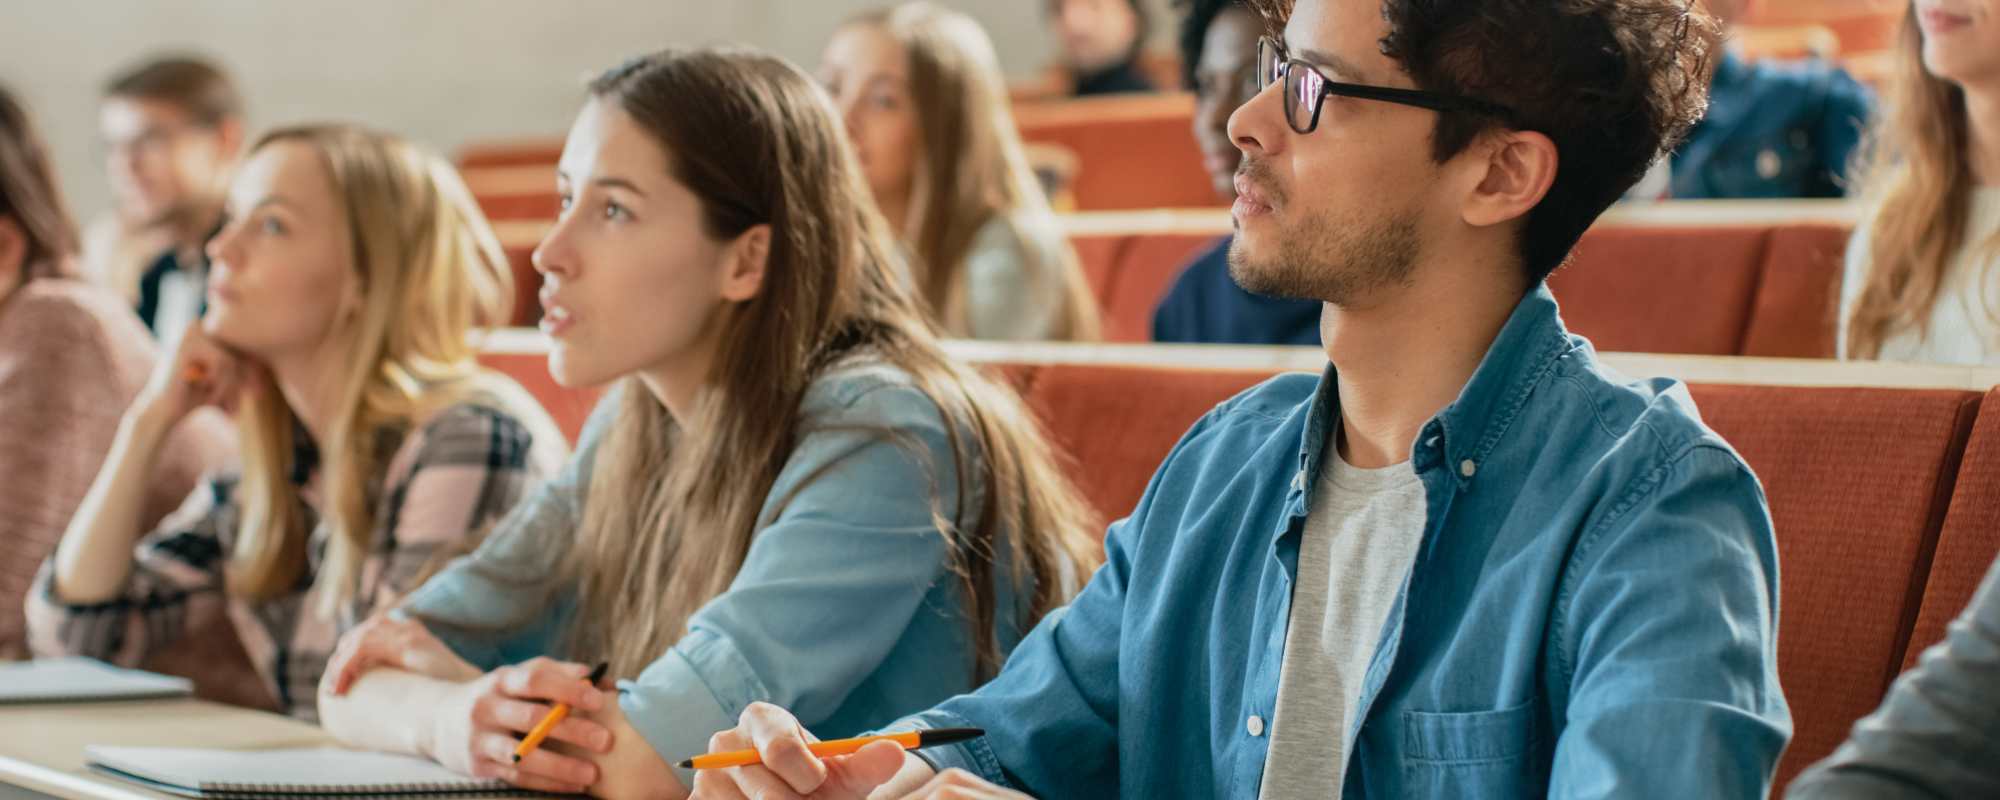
(387, 709)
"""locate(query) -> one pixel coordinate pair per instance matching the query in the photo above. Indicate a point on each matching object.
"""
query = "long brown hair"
(673, 504)
(29, 195)
(971, 168)
(431, 273)
(1920, 178)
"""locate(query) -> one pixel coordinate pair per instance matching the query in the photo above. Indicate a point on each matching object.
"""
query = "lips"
(556, 318)
(1937, 20)
(1251, 200)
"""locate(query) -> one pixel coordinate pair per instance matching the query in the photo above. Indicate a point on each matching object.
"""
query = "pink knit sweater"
(72, 358)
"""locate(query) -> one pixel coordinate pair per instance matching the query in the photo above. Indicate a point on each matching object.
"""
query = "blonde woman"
(1921, 282)
(345, 283)
(926, 109)
(793, 495)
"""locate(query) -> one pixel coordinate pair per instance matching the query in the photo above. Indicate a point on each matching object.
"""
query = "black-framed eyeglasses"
(1306, 90)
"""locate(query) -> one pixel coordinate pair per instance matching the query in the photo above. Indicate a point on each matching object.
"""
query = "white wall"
(444, 72)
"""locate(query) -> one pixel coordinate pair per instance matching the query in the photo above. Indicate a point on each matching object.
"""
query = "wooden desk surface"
(41, 746)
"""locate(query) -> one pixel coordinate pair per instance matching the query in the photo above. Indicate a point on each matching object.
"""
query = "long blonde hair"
(430, 272)
(1920, 178)
(673, 504)
(971, 168)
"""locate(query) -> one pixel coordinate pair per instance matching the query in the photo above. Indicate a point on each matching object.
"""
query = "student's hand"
(790, 771)
(957, 784)
(385, 642)
(201, 372)
(475, 725)
(632, 769)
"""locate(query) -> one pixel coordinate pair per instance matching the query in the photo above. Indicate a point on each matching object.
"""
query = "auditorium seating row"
(1710, 285)
(1883, 480)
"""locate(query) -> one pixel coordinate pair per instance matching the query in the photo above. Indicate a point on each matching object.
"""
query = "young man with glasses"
(1466, 561)
(172, 128)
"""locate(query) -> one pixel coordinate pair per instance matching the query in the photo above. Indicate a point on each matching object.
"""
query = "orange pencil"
(555, 715)
(914, 740)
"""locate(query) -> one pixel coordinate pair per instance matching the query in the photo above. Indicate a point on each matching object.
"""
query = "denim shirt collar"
(1460, 436)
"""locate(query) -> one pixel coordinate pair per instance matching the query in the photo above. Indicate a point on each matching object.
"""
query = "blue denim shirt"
(845, 609)
(1591, 612)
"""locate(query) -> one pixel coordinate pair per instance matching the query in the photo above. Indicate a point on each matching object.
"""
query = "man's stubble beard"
(1318, 256)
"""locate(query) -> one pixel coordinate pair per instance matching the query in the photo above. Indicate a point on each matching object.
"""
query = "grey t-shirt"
(1361, 537)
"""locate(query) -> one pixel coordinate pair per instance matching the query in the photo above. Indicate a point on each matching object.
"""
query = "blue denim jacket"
(845, 609)
(1591, 613)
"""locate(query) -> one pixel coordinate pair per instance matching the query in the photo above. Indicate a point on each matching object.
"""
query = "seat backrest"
(1117, 424)
(1858, 480)
(1662, 290)
(1798, 293)
(1133, 151)
(1970, 539)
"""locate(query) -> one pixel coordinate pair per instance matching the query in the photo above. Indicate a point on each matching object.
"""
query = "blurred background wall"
(443, 72)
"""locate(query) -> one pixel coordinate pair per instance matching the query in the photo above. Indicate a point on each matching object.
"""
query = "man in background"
(1219, 63)
(1774, 128)
(172, 129)
(1100, 41)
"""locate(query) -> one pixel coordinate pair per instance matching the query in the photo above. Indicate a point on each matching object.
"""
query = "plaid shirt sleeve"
(176, 576)
(473, 465)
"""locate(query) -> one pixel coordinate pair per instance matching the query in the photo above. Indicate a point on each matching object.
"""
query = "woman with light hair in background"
(1931, 295)
(793, 494)
(1921, 282)
(346, 280)
(927, 111)
(72, 356)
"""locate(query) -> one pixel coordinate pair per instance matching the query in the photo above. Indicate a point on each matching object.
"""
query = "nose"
(1258, 127)
(555, 255)
(225, 246)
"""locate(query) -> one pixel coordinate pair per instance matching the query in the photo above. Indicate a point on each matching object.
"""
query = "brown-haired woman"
(793, 495)
(926, 110)
(1920, 283)
(345, 284)
(72, 356)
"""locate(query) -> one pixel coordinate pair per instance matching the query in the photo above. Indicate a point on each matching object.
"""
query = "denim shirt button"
(1466, 468)
(1256, 725)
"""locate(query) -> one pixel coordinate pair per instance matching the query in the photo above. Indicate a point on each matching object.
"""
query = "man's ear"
(229, 137)
(748, 256)
(1519, 168)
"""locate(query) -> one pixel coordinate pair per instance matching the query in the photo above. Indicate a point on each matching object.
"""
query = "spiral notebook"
(74, 680)
(288, 774)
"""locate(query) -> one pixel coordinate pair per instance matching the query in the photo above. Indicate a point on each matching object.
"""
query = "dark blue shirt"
(1120, 79)
(1205, 306)
(1773, 129)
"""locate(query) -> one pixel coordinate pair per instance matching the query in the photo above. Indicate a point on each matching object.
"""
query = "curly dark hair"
(1194, 31)
(1613, 83)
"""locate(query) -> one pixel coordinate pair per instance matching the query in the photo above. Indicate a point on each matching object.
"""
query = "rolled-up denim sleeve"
(1938, 733)
(1669, 641)
(828, 587)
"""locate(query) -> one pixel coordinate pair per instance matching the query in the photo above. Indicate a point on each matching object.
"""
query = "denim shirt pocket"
(1488, 754)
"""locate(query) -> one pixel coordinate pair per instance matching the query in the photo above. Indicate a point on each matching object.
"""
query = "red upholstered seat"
(1146, 269)
(1662, 290)
(1970, 539)
(1117, 424)
(1798, 293)
(1100, 256)
(1858, 481)
(1133, 151)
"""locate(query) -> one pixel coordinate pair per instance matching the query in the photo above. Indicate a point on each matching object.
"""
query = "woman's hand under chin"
(631, 769)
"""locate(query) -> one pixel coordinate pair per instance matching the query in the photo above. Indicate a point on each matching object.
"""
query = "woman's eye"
(567, 201)
(615, 211)
(881, 100)
(272, 226)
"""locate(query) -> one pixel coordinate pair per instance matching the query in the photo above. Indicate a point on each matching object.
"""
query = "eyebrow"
(1338, 67)
(273, 200)
(619, 183)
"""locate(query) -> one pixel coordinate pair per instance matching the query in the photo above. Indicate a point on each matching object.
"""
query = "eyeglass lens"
(1302, 86)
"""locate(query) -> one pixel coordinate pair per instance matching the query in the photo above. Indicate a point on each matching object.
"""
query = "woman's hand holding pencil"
(481, 724)
(785, 765)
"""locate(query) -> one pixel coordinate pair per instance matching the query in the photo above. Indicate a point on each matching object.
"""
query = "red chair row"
(1886, 502)
(1764, 290)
